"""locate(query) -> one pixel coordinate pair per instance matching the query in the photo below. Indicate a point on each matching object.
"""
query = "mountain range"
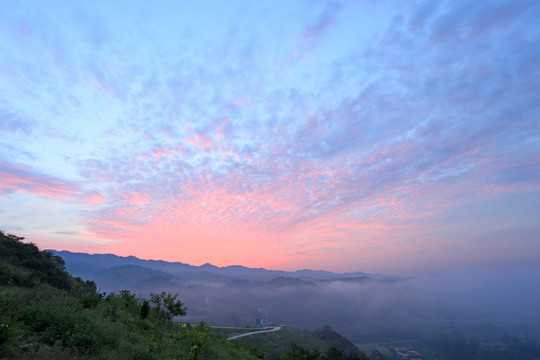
(105, 268)
(237, 295)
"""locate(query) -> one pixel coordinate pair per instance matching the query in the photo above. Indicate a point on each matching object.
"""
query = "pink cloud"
(109, 229)
(316, 204)
(95, 198)
(241, 102)
(21, 178)
(158, 153)
(200, 142)
(135, 198)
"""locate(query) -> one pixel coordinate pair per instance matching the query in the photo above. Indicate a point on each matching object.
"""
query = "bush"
(4, 333)
(197, 339)
(90, 300)
(74, 327)
(145, 309)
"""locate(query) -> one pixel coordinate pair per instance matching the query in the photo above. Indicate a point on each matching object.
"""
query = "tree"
(145, 309)
(167, 305)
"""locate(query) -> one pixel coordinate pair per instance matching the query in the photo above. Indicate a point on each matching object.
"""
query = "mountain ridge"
(235, 295)
(84, 264)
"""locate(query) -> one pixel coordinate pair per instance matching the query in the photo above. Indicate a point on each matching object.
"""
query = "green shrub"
(143, 355)
(6, 274)
(72, 326)
(196, 338)
(90, 300)
(5, 332)
(145, 309)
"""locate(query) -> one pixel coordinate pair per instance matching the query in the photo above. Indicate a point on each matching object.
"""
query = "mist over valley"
(365, 308)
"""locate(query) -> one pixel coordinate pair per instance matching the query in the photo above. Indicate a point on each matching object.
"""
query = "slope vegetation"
(46, 313)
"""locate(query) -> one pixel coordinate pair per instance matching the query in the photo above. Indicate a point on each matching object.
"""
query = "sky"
(395, 137)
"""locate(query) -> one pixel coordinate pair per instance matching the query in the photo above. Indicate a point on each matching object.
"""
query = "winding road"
(277, 328)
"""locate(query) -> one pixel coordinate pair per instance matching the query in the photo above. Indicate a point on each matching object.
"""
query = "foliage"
(376, 355)
(70, 325)
(145, 309)
(297, 352)
(4, 333)
(24, 264)
(197, 340)
(292, 343)
(334, 339)
(167, 305)
(46, 313)
(276, 344)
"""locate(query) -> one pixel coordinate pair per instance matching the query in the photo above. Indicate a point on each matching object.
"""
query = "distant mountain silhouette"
(136, 277)
(236, 295)
(87, 266)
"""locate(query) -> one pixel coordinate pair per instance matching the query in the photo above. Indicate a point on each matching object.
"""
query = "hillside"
(47, 313)
(320, 341)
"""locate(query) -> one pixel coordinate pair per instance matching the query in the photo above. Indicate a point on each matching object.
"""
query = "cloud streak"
(15, 178)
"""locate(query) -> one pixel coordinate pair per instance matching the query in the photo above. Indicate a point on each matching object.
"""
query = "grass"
(45, 322)
(276, 344)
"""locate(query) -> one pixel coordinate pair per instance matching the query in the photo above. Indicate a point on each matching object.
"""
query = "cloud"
(324, 22)
(94, 198)
(67, 232)
(422, 15)
(356, 153)
(13, 123)
(22, 178)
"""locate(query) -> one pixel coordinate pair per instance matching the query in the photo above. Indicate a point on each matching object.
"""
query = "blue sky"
(378, 136)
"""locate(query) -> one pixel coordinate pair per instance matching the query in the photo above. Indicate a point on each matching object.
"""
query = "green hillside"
(45, 313)
(278, 343)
